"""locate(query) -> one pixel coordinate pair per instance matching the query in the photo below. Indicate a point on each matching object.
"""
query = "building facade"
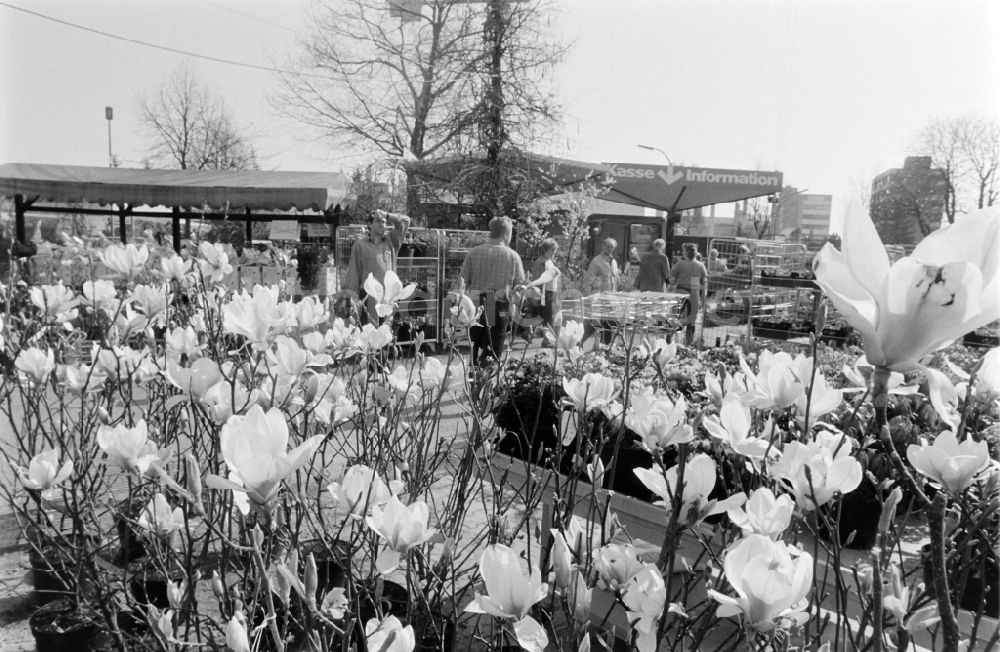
(907, 203)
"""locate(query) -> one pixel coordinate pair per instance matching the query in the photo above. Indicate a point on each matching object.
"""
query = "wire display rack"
(646, 314)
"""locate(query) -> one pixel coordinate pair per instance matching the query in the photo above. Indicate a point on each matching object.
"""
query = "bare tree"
(967, 149)
(191, 128)
(422, 79)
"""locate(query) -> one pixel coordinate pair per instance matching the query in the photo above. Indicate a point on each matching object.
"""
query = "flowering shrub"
(239, 469)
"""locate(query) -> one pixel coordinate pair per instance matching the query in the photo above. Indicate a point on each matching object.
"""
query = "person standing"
(375, 254)
(690, 275)
(603, 271)
(654, 269)
(490, 272)
(545, 268)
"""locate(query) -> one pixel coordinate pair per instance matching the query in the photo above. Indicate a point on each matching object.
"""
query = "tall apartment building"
(804, 215)
(907, 203)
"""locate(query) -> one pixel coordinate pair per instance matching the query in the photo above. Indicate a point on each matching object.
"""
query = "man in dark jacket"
(654, 269)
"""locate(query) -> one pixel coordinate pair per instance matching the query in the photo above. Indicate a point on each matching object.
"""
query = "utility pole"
(109, 115)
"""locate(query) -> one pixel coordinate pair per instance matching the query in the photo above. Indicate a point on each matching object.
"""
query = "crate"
(788, 282)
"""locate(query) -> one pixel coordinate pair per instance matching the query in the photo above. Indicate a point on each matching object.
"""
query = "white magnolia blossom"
(257, 316)
(645, 596)
(570, 335)
(510, 594)
(764, 514)
(182, 341)
(81, 379)
(947, 462)
(659, 421)
(159, 518)
(196, 380)
(389, 635)
(616, 564)
(663, 352)
(175, 268)
(35, 365)
(101, 294)
(372, 339)
(255, 447)
(57, 302)
(387, 295)
(699, 480)
(403, 527)
(129, 448)
(362, 489)
(859, 375)
(776, 385)
(771, 581)
(214, 262)
(733, 427)
(593, 392)
(44, 473)
(152, 301)
(236, 634)
(831, 469)
(948, 286)
(124, 261)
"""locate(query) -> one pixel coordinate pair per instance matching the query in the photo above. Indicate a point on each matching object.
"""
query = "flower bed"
(244, 471)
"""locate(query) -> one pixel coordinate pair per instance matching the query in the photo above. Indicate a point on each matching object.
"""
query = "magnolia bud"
(311, 577)
(217, 589)
(889, 510)
(103, 415)
(193, 479)
(820, 316)
(258, 536)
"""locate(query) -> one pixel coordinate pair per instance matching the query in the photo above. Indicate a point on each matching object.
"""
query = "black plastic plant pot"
(438, 634)
(395, 600)
(330, 572)
(48, 570)
(859, 514)
(64, 626)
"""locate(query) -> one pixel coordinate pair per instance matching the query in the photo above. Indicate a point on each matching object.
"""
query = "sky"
(829, 92)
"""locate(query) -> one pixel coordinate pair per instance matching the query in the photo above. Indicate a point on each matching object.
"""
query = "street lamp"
(109, 115)
(657, 149)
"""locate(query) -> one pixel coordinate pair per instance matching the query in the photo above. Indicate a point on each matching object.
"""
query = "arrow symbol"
(669, 177)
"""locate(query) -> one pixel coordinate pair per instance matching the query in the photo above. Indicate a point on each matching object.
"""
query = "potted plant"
(64, 625)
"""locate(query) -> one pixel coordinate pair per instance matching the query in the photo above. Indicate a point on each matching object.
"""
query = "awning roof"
(217, 189)
(679, 188)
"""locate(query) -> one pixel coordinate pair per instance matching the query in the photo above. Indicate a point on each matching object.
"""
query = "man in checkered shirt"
(490, 272)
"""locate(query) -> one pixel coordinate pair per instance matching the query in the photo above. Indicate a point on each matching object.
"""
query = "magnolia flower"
(948, 286)
(949, 463)
(256, 317)
(435, 375)
(733, 427)
(831, 469)
(159, 518)
(255, 447)
(717, 390)
(775, 386)
(987, 382)
(822, 399)
(335, 603)
(124, 261)
(236, 634)
(389, 635)
(129, 448)
(310, 313)
(616, 564)
(463, 311)
(373, 339)
(57, 302)
(699, 480)
(342, 338)
(44, 473)
(175, 268)
(593, 392)
(899, 601)
(100, 294)
(225, 398)
(214, 262)
(81, 379)
(362, 489)
(196, 380)
(182, 341)
(35, 365)
(387, 296)
(403, 528)
(152, 301)
(287, 359)
(771, 581)
(860, 375)
(657, 420)
(764, 514)
(645, 597)
(510, 593)
(663, 352)
(570, 335)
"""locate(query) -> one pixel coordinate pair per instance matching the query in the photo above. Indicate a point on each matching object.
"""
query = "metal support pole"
(249, 231)
(19, 226)
(175, 229)
(122, 213)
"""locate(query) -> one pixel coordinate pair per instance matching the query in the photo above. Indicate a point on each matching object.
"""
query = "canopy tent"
(213, 193)
(676, 188)
(547, 173)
